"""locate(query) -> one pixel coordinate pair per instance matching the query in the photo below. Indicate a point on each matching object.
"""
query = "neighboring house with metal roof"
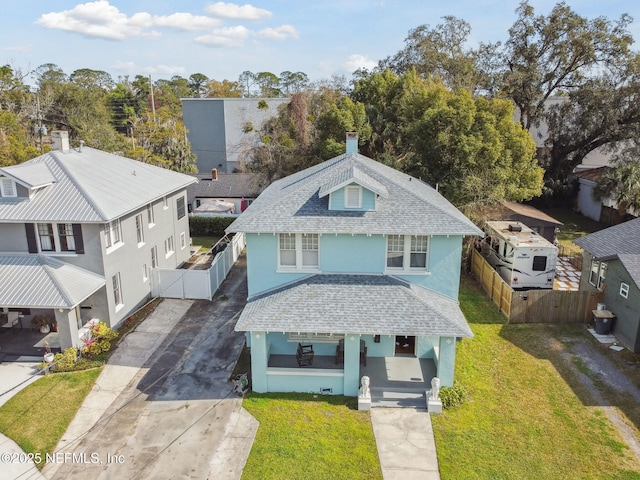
(240, 189)
(611, 264)
(222, 130)
(357, 259)
(80, 230)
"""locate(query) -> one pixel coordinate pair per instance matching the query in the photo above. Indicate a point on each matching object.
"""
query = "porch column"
(259, 359)
(446, 361)
(351, 365)
(67, 328)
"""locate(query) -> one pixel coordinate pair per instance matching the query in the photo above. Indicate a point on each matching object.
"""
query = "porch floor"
(399, 381)
(17, 344)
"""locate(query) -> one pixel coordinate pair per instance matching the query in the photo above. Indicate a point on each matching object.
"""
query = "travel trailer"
(524, 259)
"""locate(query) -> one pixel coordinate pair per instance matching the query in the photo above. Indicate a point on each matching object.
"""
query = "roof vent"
(514, 227)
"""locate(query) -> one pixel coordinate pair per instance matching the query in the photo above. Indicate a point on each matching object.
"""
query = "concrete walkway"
(406, 446)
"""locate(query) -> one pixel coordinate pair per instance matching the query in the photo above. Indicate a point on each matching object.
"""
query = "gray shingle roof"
(90, 186)
(228, 185)
(365, 304)
(293, 204)
(620, 241)
(38, 281)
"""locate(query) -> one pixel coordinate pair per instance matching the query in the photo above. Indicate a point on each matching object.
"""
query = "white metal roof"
(90, 186)
(39, 281)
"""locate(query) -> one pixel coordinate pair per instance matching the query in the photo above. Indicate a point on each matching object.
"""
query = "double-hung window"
(112, 233)
(139, 230)
(117, 290)
(47, 238)
(298, 251)
(150, 218)
(408, 253)
(602, 275)
(168, 246)
(67, 240)
(624, 290)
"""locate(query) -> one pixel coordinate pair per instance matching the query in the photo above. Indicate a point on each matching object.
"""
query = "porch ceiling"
(365, 304)
(39, 281)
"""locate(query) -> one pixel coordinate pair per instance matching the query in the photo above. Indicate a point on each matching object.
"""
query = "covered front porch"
(54, 293)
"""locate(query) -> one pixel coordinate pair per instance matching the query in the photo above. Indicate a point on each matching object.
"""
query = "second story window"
(353, 196)
(407, 252)
(139, 230)
(67, 238)
(150, 218)
(112, 233)
(47, 239)
(298, 251)
(180, 207)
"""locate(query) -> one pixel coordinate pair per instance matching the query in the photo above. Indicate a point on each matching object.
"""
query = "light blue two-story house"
(357, 260)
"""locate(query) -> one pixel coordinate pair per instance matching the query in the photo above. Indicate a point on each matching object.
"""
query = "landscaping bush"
(208, 226)
(99, 341)
(452, 396)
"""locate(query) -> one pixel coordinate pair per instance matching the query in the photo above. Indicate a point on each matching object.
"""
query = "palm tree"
(621, 183)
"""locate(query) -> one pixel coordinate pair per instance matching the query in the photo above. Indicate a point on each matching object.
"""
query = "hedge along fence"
(208, 226)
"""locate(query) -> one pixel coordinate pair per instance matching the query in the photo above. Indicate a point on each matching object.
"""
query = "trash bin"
(603, 326)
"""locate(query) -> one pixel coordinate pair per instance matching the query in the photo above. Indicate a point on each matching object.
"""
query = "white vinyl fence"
(196, 284)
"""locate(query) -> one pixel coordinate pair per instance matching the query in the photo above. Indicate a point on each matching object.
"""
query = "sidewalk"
(406, 446)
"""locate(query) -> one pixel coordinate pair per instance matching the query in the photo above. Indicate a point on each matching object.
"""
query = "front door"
(405, 345)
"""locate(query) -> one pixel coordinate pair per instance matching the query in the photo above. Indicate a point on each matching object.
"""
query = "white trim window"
(168, 247)
(353, 196)
(139, 230)
(117, 291)
(150, 217)
(408, 253)
(46, 237)
(112, 233)
(298, 251)
(602, 275)
(183, 241)
(593, 273)
(54, 237)
(165, 203)
(145, 272)
(8, 188)
(624, 290)
(67, 239)
(154, 257)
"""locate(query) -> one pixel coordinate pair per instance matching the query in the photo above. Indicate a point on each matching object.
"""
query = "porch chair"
(304, 355)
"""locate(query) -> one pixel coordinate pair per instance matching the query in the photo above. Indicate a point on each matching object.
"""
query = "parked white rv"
(523, 258)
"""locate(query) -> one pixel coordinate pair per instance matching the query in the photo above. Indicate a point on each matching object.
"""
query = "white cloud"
(18, 49)
(237, 12)
(356, 61)
(279, 33)
(225, 37)
(103, 20)
(131, 68)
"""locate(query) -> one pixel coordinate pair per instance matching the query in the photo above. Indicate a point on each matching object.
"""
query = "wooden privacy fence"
(534, 306)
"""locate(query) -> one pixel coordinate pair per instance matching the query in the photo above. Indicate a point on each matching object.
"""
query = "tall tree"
(224, 89)
(198, 85)
(622, 184)
(443, 52)
(546, 55)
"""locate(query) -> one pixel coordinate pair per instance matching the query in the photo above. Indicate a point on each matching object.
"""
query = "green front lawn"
(526, 415)
(37, 416)
(304, 436)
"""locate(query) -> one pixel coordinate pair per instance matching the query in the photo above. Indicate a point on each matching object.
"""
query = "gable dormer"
(21, 181)
(353, 190)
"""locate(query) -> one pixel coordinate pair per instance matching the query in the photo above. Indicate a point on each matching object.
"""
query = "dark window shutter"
(77, 237)
(32, 243)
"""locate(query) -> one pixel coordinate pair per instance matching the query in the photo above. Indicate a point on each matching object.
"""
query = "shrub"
(208, 226)
(452, 396)
(99, 341)
(63, 362)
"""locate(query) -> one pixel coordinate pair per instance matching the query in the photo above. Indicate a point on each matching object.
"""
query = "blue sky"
(163, 38)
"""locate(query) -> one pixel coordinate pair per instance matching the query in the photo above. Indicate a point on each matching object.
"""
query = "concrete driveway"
(175, 417)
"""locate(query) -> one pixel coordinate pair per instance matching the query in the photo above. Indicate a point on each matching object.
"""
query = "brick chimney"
(60, 140)
(352, 142)
(214, 174)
